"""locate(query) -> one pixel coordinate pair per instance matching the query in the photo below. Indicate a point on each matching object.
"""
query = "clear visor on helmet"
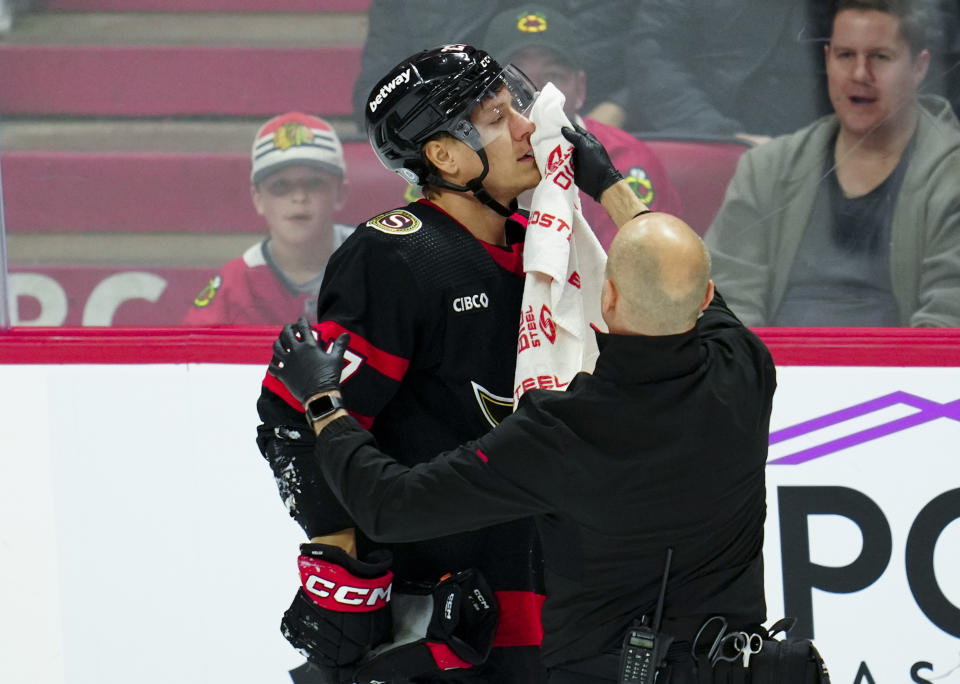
(494, 111)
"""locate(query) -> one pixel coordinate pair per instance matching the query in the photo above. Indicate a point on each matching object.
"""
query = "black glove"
(593, 172)
(343, 608)
(445, 627)
(300, 364)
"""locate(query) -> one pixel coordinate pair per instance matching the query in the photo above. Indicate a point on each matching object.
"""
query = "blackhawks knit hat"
(296, 139)
(531, 26)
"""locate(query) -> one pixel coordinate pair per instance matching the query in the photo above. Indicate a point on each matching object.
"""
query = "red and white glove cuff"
(333, 587)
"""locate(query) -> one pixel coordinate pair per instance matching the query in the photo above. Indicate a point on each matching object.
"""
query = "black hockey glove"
(447, 627)
(593, 172)
(342, 610)
(300, 364)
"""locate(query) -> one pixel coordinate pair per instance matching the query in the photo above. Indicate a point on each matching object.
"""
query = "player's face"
(545, 66)
(505, 133)
(298, 203)
(871, 74)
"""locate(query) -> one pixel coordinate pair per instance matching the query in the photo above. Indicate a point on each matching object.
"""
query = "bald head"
(659, 273)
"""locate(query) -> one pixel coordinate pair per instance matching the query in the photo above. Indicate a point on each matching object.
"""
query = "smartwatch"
(322, 406)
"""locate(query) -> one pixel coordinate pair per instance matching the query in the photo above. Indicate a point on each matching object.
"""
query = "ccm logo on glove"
(332, 587)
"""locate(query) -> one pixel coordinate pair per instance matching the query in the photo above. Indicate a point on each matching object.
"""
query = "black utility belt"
(717, 655)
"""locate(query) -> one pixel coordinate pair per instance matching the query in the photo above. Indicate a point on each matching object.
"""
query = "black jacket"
(663, 446)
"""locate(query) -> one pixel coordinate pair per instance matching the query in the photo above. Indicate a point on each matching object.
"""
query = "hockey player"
(430, 294)
(297, 184)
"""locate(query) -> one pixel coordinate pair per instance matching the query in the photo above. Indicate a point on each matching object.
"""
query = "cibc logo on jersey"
(471, 302)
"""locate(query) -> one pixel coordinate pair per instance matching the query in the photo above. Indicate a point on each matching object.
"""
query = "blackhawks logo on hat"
(292, 134)
(531, 22)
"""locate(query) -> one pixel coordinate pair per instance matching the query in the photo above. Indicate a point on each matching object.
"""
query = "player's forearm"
(622, 203)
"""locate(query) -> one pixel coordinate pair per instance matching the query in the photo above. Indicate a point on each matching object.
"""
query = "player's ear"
(440, 153)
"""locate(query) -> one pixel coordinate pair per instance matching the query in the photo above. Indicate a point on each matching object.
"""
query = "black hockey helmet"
(432, 92)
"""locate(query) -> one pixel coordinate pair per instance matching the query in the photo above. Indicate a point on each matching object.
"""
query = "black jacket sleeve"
(508, 474)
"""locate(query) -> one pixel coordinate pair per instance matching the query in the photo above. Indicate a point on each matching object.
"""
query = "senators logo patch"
(495, 408)
(397, 222)
(638, 179)
(207, 294)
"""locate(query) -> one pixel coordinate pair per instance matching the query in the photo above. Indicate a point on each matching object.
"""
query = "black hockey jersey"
(433, 316)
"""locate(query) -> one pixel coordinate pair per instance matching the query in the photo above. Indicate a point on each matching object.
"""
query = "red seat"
(700, 170)
(210, 192)
(164, 192)
(175, 80)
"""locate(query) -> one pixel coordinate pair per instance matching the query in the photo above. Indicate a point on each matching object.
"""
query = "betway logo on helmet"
(388, 88)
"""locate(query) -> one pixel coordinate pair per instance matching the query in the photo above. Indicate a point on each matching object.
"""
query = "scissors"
(715, 646)
(740, 645)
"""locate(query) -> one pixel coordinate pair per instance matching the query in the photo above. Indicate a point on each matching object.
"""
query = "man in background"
(543, 44)
(297, 184)
(855, 219)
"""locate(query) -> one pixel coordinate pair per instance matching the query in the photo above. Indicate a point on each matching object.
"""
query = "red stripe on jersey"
(508, 258)
(278, 388)
(366, 422)
(385, 363)
(445, 658)
(519, 623)
(483, 456)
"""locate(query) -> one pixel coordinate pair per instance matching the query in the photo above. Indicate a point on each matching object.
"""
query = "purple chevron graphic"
(927, 410)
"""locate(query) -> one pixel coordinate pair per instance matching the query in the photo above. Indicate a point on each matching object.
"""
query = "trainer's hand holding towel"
(564, 264)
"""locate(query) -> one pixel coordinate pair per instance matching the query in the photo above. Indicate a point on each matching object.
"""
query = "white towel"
(564, 265)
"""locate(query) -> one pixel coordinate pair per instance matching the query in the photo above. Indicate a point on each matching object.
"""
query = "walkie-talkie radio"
(644, 646)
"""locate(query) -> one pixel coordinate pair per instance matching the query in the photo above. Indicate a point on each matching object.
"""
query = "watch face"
(323, 406)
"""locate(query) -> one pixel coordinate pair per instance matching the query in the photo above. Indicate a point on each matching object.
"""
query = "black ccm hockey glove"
(448, 626)
(593, 172)
(342, 611)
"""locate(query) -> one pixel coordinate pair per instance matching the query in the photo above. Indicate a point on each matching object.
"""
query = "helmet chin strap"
(476, 187)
